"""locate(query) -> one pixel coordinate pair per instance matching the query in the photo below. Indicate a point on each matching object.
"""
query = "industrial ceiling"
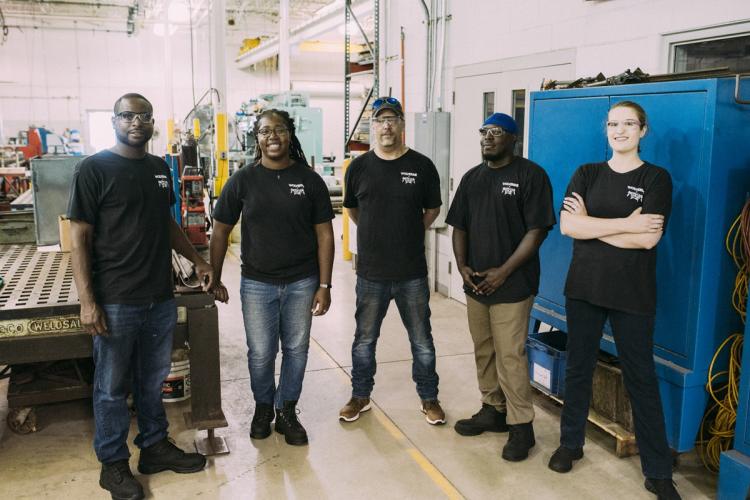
(250, 17)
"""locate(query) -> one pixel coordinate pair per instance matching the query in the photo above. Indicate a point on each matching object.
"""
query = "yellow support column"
(222, 147)
(170, 134)
(345, 216)
(196, 128)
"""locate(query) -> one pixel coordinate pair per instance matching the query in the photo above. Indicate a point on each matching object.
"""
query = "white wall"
(607, 36)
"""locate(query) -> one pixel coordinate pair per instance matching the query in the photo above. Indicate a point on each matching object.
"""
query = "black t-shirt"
(602, 274)
(497, 207)
(279, 209)
(128, 203)
(391, 196)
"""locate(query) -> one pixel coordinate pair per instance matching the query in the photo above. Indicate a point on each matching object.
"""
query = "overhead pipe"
(403, 69)
(428, 60)
(83, 4)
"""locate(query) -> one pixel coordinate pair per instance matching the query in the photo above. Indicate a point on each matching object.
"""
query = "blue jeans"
(136, 357)
(272, 313)
(413, 301)
(634, 337)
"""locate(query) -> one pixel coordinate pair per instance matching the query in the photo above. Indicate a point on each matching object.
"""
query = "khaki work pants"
(499, 333)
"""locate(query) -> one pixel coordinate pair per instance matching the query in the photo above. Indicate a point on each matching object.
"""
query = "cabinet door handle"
(737, 79)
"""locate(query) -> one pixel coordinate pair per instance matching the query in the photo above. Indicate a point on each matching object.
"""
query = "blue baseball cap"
(503, 121)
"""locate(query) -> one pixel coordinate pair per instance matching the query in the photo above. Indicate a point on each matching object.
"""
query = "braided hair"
(295, 148)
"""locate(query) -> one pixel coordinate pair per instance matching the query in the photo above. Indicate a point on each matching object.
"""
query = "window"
(101, 134)
(733, 52)
(518, 106)
(489, 104)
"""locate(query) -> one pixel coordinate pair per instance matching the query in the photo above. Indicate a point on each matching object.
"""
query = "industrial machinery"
(193, 209)
(308, 123)
(40, 324)
(698, 130)
(188, 184)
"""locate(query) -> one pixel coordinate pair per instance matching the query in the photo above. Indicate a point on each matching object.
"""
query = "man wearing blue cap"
(392, 193)
(500, 215)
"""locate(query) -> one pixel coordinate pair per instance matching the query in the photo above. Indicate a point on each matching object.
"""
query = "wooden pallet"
(625, 445)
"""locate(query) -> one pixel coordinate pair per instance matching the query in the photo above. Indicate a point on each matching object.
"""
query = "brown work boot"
(433, 413)
(351, 410)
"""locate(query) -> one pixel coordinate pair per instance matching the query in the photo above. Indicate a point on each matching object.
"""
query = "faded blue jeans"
(274, 313)
(136, 355)
(412, 298)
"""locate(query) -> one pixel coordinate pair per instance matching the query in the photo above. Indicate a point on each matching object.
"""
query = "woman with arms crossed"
(616, 212)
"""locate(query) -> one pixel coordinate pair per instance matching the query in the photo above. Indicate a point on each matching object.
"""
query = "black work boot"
(487, 419)
(260, 427)
(664, 489)
(119, 481)
(520, 441)
(562, 459)
(288, 424)
(166, 456)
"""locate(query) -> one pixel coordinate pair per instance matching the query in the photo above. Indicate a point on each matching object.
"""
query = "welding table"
(39, 322)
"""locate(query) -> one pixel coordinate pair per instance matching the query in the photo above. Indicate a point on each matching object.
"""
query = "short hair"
(130, 95)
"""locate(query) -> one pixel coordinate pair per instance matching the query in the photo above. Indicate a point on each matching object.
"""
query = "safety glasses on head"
(386, 103)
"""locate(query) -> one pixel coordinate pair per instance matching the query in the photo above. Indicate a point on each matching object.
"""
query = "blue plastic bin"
(547, 358)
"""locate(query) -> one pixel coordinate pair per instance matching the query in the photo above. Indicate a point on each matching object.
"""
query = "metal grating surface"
(35, 279)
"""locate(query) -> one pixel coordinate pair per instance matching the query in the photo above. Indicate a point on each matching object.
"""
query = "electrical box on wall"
(431, 137)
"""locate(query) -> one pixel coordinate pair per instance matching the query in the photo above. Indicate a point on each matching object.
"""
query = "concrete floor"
(391, 452)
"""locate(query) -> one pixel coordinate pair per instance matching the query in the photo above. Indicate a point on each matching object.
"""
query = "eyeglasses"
(387, 120)
(493, 131)
(129, 116)
(378, 103)
(266, 132)
(624, 123)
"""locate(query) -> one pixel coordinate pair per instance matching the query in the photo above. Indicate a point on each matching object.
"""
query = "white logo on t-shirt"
(408, 177)
(297, 189)
(162, 180)
(509, 188)
(635, 193)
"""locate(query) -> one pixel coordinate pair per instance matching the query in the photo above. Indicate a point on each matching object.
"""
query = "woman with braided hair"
(295, 148)
(287, 260)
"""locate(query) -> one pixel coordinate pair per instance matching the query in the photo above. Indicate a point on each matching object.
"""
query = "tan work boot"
(350, 412)
(433, 413)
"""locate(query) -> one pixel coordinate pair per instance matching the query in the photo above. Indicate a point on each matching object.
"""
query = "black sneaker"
(664, 489)
(119, 481)
(520, 441)
(562, 459)
(487, 419)
(288, 424)
(260, 427)
(164, 455)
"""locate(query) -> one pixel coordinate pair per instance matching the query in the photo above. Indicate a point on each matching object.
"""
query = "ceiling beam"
(328, 19)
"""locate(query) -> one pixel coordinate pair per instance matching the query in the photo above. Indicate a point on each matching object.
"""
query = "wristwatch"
(326, 285)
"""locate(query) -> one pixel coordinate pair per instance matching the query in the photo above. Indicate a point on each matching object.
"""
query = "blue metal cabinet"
(701, 136)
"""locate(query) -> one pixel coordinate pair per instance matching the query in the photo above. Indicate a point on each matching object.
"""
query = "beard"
(492, 156)
(125, 139)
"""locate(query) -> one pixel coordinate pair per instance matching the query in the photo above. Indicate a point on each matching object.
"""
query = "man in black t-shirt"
(122, 235)
(393, 195)
(500, 215)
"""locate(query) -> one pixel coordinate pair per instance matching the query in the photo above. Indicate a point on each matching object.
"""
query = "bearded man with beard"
(501, 214)
(392, 194)
(122, 234)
